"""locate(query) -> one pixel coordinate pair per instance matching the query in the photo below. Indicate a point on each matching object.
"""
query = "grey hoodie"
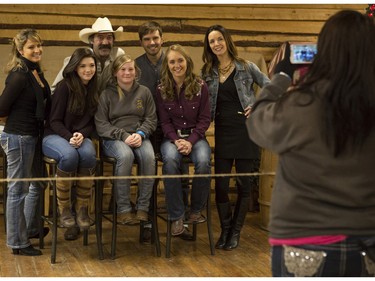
(119, 117)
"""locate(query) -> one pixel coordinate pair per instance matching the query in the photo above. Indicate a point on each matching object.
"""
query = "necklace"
(226, 70)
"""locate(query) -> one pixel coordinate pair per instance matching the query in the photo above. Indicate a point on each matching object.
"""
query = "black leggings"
(244, 183)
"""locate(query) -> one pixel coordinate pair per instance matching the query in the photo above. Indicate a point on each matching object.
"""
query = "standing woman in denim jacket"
(230, 80)
(24, 101)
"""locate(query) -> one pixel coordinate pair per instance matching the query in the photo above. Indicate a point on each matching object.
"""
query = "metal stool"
(52, 165)
(164, 216)
(113, 218)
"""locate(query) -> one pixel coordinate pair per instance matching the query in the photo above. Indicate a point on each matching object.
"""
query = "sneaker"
(142, 215)
(124, 218)
(196, 218)
(177, 227)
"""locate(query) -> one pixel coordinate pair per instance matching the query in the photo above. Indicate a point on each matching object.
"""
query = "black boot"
(28, 251)
(36, 236)
(72, 233)
(253, 201)
(239, 216)
(254, 187)
(225, 216)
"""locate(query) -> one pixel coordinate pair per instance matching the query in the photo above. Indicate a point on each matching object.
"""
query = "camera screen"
(302, 53)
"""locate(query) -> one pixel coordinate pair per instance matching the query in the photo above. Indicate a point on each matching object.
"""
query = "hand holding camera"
(297, 57)
(285, 65)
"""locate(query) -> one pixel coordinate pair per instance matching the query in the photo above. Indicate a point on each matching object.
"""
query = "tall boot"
(241, 209)
(253, 201)
(84, 187)
(225, 216)
(63, 190)
(254, 187)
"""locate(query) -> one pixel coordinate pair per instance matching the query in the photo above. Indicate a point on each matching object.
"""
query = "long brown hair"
(210, 60)
(80, 96)
(345, 66)
(191, 82)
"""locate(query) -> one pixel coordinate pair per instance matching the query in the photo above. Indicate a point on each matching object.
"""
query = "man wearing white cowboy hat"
(100, 37)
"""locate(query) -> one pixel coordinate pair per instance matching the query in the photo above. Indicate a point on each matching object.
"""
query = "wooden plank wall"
(254, 27)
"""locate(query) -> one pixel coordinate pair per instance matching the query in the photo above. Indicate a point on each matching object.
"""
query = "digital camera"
(302, 52)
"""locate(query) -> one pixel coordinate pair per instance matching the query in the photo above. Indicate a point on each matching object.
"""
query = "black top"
(231, 138)
(150, 74)
(63, 123)
(23, 101)
(150, 77)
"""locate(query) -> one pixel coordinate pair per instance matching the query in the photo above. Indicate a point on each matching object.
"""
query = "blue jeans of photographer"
(348, 258)
(23, 198)
(172, 165)
(125, 156)
(68, 158)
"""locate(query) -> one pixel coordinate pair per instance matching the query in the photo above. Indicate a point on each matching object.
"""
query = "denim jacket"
(244, 79)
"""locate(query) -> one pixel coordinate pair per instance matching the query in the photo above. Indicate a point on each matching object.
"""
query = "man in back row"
(101, 38)
(151, 39)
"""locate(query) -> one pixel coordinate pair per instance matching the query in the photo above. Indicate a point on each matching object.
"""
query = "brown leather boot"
(83, 190)
(83, 219)
(177, 227)
(66, 217)
(63, 190)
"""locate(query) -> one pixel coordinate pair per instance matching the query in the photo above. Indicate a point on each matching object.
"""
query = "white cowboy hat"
(101, 25)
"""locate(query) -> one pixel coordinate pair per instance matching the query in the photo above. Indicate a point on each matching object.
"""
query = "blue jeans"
(70, 159)
(32, 204)
(125, 156)
(344, 259)
(22, 201)
(172, 165)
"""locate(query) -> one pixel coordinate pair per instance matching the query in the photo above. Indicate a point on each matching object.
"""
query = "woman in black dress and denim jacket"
(230, 81)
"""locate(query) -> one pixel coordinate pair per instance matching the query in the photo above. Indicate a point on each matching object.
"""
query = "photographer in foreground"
(322, 220)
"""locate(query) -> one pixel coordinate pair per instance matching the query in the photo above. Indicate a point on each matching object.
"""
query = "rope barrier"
(140, 177)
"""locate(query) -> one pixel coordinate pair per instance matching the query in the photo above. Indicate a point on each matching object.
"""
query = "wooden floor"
(188, 259)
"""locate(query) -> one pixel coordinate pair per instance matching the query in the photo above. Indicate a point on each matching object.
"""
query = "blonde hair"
(18, 42)
(118, 63)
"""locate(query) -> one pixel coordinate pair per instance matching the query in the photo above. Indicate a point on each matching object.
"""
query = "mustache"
(109, 47)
